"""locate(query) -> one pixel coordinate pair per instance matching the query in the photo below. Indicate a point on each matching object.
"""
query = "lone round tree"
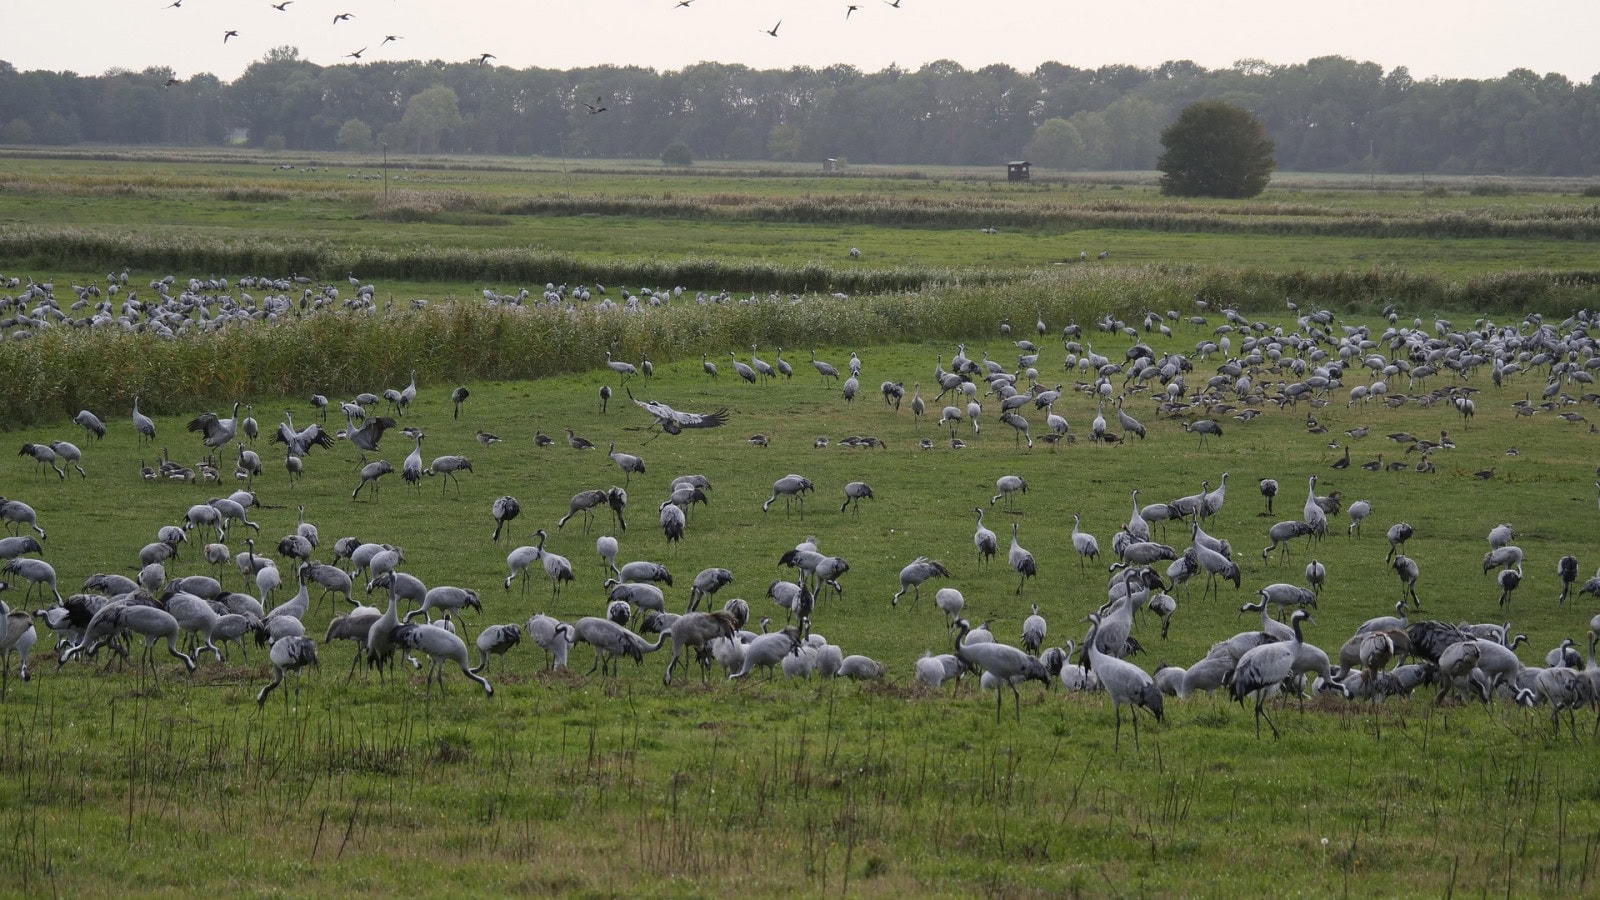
(1215, 150)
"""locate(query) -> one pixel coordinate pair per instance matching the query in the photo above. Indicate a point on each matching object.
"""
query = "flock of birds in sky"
(338, 18)
(1260, 366)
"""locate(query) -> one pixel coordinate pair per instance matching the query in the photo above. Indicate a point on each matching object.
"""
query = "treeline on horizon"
(1329, 114)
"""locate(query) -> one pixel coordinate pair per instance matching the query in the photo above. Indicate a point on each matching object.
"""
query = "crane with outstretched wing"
(672, 421)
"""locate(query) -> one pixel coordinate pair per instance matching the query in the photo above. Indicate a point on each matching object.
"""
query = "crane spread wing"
(673, 421)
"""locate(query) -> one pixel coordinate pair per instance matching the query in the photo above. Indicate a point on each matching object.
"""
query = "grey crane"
(34, 571)
(13, 547)
(448, 466)
(449, 601)
(1123, 681)
(697, 630)
(950, 602)
(985, 540)
(1509, 580)
(1129, 424)
(15, 514)
(605, 397)
(709, 367)
(1085, 543)
(782, 365)
(851, 386)
(457, 398)
(518, 561)
(1137, 528)
(623, 369)
(216, 431)
(793, 488)
(1205, 428)
(1407, 570)
(143, 428)
(1006, 486)
(354, 627)
(407, 394)
(557, 568)
(824, 369)
(1399, 533)
(1097, 426)
(1269, 490)
(611, 641)
(1357, 511)
(914, 574)
(249, 465)
(627, 462)
(371, 472)
(1281, 534)
(42, 455)
(1284, 595)
(918, 405)
(504, 509)
(411, 469)
(706, 584)
(584, 502)
(1020, 426)
(644, 598)
(1508, 556)
(1008, 664)
(1501, 536)
(365, 439)
(860, 668)
(1211, 501)
(90, 423)
(607, 547)
(553, 636)
(793, 597)
(742, 370)
(1021, 561)
(673, 521)
(439, 645)
(893, 392)
(768, 650)
(289, 654)
(1316, 575)
(672, 421)
(1265, 667)
(762, 367)
(643, 570)
(149, 622)
(854, 493)
(1312, 513)
(1033, 632)
(1567, 573)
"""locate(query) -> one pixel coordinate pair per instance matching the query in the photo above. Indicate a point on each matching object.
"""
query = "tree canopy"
(1215, 149)
(1328, 114)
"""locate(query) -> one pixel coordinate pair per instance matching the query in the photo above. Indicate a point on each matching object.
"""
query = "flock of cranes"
(1252, 664)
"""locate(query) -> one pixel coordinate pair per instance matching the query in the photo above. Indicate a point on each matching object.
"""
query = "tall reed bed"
(61, 370)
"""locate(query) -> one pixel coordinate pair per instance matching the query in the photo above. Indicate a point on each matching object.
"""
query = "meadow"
(571, 783)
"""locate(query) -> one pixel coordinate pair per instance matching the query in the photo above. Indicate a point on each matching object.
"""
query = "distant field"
(925, 222)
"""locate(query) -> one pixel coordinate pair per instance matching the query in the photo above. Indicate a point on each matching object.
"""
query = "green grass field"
(592, 785)
(570, 783)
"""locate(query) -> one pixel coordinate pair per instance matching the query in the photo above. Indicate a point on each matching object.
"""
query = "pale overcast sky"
(1446, 38)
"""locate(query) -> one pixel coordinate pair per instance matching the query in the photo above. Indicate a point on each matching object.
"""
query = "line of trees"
(1327, 114)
